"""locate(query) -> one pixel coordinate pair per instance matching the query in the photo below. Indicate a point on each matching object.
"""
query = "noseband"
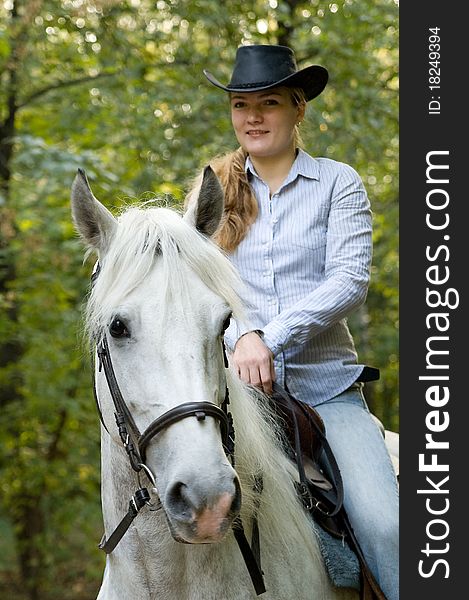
(136, 443)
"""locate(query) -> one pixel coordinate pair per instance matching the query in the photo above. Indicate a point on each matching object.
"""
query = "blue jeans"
(371, 496)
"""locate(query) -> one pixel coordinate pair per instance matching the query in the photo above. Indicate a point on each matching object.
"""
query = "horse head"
(161, 302)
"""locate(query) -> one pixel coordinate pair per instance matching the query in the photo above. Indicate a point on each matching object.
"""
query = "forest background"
(117, 89)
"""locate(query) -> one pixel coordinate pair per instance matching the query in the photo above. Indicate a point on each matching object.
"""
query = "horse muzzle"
(198, 516)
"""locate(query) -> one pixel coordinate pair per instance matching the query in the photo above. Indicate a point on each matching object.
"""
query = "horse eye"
(118, 328)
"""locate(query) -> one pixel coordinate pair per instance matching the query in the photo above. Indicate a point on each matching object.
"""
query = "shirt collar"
(304, 165)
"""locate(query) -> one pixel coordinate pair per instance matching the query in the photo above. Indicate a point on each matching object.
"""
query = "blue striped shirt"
(305, 262)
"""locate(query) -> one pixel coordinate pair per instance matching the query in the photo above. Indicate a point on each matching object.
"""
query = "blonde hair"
(240, 206)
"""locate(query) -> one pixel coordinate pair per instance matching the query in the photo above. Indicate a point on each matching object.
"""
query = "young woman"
(299, 231)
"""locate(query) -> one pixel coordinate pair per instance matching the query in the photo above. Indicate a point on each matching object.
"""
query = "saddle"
(320, 484)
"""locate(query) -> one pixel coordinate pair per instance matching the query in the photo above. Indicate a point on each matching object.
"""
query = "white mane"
(146, 234)
(259, 450)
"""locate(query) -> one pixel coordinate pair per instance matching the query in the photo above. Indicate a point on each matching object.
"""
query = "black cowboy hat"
(261, 67)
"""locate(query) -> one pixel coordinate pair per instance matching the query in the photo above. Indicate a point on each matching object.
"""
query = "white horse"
(162, 296)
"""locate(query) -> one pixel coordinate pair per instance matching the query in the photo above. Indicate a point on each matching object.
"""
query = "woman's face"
(264, 122)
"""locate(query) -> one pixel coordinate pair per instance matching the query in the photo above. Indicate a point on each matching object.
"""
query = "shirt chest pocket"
(312, 240)
(306, 230)
(302, 259)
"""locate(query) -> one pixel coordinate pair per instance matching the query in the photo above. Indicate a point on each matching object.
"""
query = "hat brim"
(312, 80)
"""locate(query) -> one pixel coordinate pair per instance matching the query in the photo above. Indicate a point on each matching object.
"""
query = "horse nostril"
(236, 503)
(178, 501)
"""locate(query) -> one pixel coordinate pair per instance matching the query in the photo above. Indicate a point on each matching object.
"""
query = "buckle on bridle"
(321, 507)
(305, 495)
(309, 501)
(139, 499)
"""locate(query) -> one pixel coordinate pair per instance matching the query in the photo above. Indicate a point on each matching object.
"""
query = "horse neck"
(148, 560)
(148, 563)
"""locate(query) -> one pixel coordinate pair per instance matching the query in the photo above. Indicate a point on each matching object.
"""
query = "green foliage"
(117, 88)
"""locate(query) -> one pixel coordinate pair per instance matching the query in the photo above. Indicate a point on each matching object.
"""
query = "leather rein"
(136, 443)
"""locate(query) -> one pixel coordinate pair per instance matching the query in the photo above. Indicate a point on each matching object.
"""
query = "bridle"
(136, 443)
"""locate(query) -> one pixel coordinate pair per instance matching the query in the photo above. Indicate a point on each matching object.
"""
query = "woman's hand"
(254, 362)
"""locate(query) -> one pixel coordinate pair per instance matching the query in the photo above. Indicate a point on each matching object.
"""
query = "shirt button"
(274, 220)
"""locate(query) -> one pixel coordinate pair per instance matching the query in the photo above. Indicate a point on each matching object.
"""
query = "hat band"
(250, 85)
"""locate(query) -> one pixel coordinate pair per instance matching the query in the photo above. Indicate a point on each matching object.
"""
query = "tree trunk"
(286, 26)
(30, 527)
(27, 514)
(10, 349)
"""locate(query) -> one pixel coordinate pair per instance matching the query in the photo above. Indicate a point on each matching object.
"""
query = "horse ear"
(206, 209)
(93, 221)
